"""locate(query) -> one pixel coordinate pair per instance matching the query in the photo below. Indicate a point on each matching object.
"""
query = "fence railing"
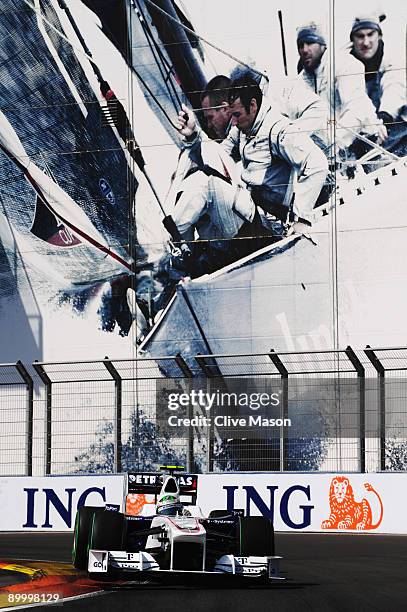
(347, 411)
(16, 418)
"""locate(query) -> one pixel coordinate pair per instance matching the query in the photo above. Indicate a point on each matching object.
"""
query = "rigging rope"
(92, 61)
(42, 16)
(205, 40)
(156, 51)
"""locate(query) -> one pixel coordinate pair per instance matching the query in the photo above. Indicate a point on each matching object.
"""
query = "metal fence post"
(280, 367)
(48, 417)
(378, 366)
(360, 370)
(29, 419)
(117, 462)
(190, 442)
(201, 360)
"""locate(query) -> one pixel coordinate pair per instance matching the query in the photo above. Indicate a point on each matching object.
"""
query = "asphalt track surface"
(327, 572)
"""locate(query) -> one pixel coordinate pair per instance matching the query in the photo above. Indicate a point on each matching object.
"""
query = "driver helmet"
(168, 501)
(169, 505)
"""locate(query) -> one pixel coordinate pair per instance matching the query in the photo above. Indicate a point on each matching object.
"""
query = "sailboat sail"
(48, 227)
(166, 59)
(43, 121)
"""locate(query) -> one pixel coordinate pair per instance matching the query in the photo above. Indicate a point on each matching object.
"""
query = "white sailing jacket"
(213, 207)
(279, 156)
(305, 109)
(388, 88)
(350, 106)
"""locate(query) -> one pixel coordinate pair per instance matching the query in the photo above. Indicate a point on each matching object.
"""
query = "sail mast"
(179, 50)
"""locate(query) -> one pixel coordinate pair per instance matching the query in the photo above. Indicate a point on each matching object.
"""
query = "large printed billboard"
(180, 178)
(168, 170)
(344, 503)
(338, 279)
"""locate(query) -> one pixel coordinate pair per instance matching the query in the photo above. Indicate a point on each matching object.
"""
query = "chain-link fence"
(16, 419)
(339, 410)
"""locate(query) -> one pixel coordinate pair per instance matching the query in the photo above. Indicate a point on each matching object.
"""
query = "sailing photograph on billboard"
(166, 170)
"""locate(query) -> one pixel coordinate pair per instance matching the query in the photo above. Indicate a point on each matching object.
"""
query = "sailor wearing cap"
(384, 78)
(350, 104)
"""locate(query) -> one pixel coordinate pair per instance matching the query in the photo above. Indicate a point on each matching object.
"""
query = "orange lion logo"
(346, 513)
(135, 503)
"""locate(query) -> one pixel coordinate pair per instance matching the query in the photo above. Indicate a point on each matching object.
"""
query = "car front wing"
(103, 561)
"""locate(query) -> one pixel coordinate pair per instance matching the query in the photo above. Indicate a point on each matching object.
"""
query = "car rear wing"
(144, 483)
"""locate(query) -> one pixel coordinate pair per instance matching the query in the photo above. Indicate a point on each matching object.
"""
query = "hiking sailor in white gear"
(209, 204)
(350, 105)
(282, 168)
(385, 79)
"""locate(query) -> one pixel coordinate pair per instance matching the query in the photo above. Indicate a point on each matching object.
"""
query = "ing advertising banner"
(167, 171)
(46, 504)
(343, 503)
(327, 503)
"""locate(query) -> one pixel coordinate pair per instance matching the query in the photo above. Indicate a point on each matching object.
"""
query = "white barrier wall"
(303, 502)
(49, 503)
(296, 502)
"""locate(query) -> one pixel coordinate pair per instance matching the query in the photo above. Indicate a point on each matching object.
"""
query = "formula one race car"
(175, 537)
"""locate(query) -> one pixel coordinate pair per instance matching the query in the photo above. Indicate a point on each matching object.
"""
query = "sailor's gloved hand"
(379, 135)
(186, 122)
(179, 264)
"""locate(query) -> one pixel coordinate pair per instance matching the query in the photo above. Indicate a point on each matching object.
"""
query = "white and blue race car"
(175, 537)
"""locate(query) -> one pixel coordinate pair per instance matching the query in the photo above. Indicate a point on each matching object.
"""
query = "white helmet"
(168, 501)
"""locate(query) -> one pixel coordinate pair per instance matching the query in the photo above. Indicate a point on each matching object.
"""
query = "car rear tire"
(256, 536)
(83, 520)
